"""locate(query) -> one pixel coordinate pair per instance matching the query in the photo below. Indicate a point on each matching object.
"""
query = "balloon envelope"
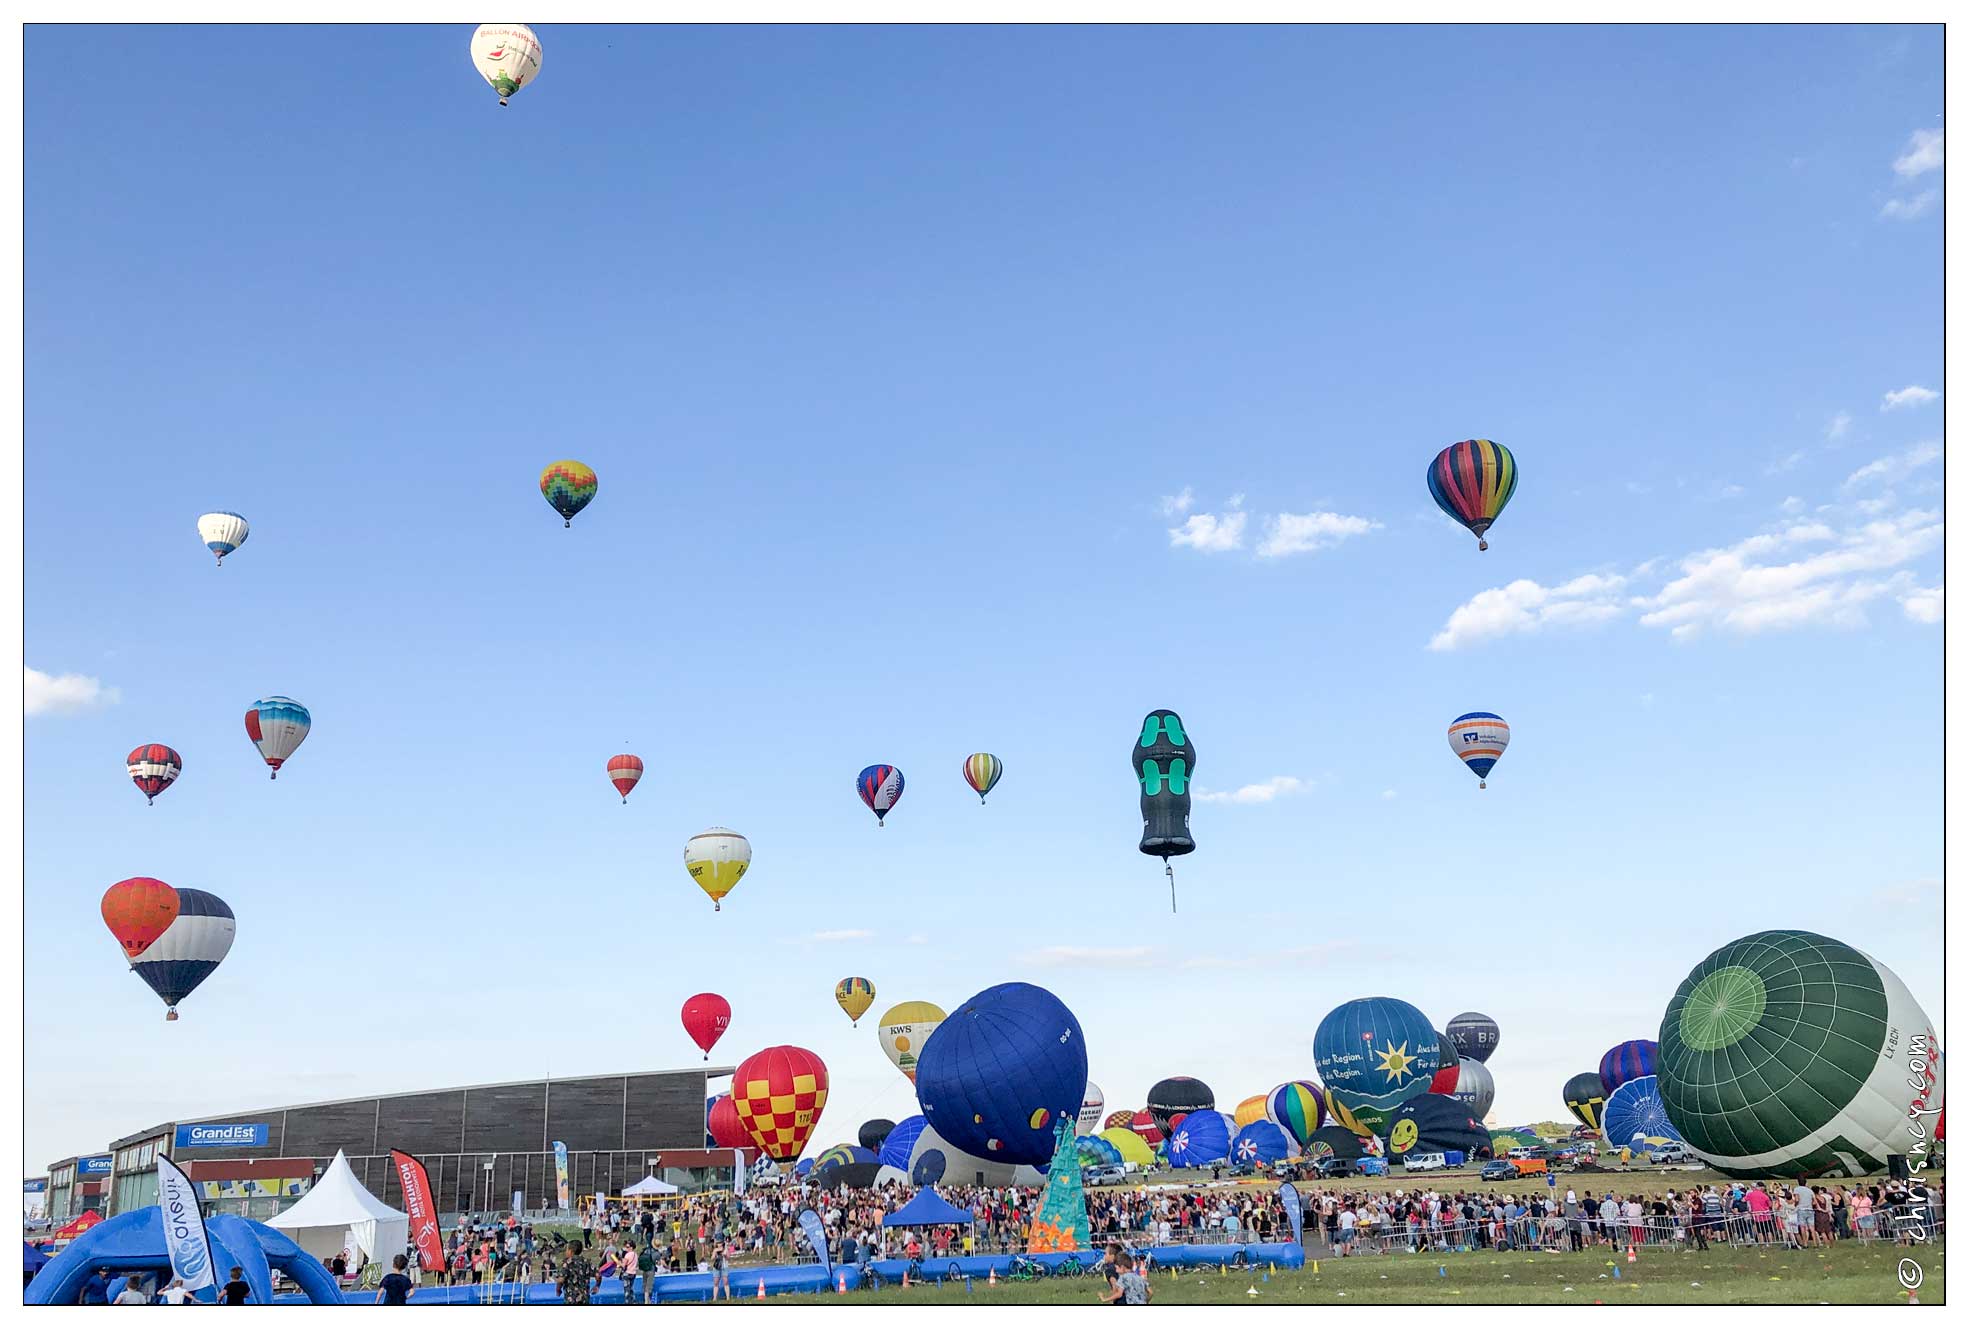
(1097, 1152)
(1335, 1142)
(222, 533)
(1436, 1124)
(874, 1134)
(779, 1094)
(1200, 1139)
(624, 770)
(507, 55)
(706, 1016)
(1374, 1054)
(723, 1125)
(182, 954)
(1635, 1117)
(1627, 1061)
(1472, 481)
(1261, 1142)
(880, 787)
(568, 487)
(717, 860)
(153, 768)
(904, 1029)
(935, 1161)
(1165, 763)
(1297, 1107)
(1586, 1096)
(1092, 1103)
(1001, 1070)
(1132, 1147)
(277, 726)
(899, 1143)
(1474, 1034)
(1473, 1087)
(982, 772)
(1788, 1053)
(854, 996)
(1478, 738)
(1250, 1110)
(1175, 1096)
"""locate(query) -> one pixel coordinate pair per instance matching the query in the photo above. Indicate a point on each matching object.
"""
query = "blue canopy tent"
(33, 1259)
(928, 1209)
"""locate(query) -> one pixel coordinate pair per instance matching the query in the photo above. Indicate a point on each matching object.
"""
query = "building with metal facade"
(480, 1143)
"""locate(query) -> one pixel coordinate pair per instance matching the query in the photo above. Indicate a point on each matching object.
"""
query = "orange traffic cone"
(841, 1284)
(992, 1278)
(762, 1289)
(905, 1278)
(1630, 1252)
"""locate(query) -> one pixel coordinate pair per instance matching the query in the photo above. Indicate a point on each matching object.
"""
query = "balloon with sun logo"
(1373, 1055)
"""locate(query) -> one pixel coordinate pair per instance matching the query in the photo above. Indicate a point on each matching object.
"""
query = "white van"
(1425, 1163)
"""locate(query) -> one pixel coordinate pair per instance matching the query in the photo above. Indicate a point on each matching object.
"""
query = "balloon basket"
(170, 1015)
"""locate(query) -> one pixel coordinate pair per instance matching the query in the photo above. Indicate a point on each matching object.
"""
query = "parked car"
(1528, 1151)
(1336, 1167)
(1499, 1169)
(1373, 1167)
(1425, 1163)
(1672, 1152)
(1103, 1174)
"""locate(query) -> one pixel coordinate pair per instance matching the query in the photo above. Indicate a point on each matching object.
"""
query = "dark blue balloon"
(1200, 1139)
(1627, 1061)
(1260, 1142)
(1001, 1071)
(1634, 1117)
(1373, 1055)
(896, 1149)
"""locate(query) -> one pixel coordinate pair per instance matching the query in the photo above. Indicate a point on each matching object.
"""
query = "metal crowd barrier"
(1903, 1224)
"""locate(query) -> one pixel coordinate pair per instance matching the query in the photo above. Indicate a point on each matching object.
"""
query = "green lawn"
(1847, 1274)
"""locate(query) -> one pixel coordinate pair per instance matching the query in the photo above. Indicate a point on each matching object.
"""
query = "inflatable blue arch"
(133, 1243)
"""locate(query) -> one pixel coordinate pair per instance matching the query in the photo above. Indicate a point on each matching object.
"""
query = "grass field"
(1847, 1274)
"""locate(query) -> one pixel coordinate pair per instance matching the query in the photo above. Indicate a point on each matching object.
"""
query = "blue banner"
(1295, 1210)
(97, 1166)
(228, 1135)
(38, 1186)
(184, 1227)
(817, 1238)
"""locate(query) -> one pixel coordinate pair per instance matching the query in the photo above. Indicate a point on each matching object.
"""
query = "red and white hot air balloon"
(624, 770)
(706, 1017)
(152, 768)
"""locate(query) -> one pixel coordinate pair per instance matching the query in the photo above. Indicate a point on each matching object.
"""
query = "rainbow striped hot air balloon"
(1478, 739)
(1472, 481)
(568, 487)
(982, 772)
(854, 996)
(1297, 1107)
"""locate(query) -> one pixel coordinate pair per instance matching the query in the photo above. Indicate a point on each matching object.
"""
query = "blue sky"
(959, 389)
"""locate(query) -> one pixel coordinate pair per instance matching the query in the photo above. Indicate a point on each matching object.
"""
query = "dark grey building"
(479, 1143)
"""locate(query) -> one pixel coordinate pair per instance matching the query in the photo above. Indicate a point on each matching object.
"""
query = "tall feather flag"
(416, 1185)
(185, 1240)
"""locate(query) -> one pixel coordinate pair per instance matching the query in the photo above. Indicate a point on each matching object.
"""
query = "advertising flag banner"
(416, 1185)
(184, 1227)
(1295, 1210)
(560, 1173)
(817, 1238)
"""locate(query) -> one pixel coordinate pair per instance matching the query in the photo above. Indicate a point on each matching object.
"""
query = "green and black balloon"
(1165, 763)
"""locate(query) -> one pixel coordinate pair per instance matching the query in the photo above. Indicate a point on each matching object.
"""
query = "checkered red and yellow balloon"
(778, 1095)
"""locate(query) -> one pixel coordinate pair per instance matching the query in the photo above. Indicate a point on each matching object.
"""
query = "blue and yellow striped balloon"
(1297, 1107)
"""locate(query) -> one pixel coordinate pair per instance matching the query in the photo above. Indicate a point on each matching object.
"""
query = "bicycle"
(1025, 1271)
(1071, 1267)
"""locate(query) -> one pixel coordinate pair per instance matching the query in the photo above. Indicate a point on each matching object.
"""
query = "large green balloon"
(1787, 1053)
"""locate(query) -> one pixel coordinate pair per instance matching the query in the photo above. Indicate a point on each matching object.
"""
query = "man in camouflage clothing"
(577, 1277)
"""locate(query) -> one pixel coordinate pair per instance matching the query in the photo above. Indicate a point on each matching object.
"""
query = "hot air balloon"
(1472, 481)
(1504, 1141)
(981, 772)
(1297, 1107)
(1092, 1103)
(1635, 1118)
(854, 996)
(779, 1094)
(934, 1160)
(1165, 763)
(1261, 1142)
(874, 1132)
(727, 1131)
(901, 1139)
(706, 1016)
(1097, 1152)
(507, 55)
(1473, 1087)
(1374, 1054)
(1627, 1061)
(1787, 1053)
(1171, 1098)
(716, 860)
(1201, 1138)
(881, 788)
(1436, 1124)
(904, 1029)
(1473, 1033)
(1001, 1070)
(1478, 739)
(1448, 1070)
(1143, 1124)
(844, 1153)
(1586, 1096)
(1132, 1147)
(222, 533)
(1335, 1142)
(1118, 1119)
(153, 767)
(277, 725)
(624, 770)
(173, 939)
(568, 487)
(1250, 1110)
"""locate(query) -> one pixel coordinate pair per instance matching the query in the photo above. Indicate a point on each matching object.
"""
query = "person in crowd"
(236, 1292)
(396, 1286)
(131, 1293)
(578, 1277)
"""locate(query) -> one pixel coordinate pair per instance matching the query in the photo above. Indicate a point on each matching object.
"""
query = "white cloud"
(1175, 505)
(1923, 604)
(1908, 209)
(1526, 606)
(1899, 466)
(1090, 957)
(65, 694)
(1785, 463)
(918, 939)
(1255, 793)
(1792, 505)
(1210, 532)
(1922, 155)
(1303, 532)
(1911, 395)
(842, 934)
(1730, 589)
(1387, 793)
(1836, 427)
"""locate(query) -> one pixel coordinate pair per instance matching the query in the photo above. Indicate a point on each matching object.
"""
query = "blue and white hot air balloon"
(222, 533)
(1261, 1142)
(1373, 1055)
(277, 725)
(1200, 1139)
(1478, 738)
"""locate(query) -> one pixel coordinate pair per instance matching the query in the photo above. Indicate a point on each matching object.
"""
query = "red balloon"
(1444, 1080)
(706, 1017)
(779, 1094)
(1144, 1126)
(137, 911)
(727, 1131)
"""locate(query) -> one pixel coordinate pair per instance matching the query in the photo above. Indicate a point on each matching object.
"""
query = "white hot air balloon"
(222, 533)
(1092, 1104)
(716, 859)
(507, 55)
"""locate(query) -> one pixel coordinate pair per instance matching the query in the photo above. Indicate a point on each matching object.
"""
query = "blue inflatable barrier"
(133, 1243)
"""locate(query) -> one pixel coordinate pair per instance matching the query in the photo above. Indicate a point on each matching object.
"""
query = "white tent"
(651, 1186)
(338, 1215)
